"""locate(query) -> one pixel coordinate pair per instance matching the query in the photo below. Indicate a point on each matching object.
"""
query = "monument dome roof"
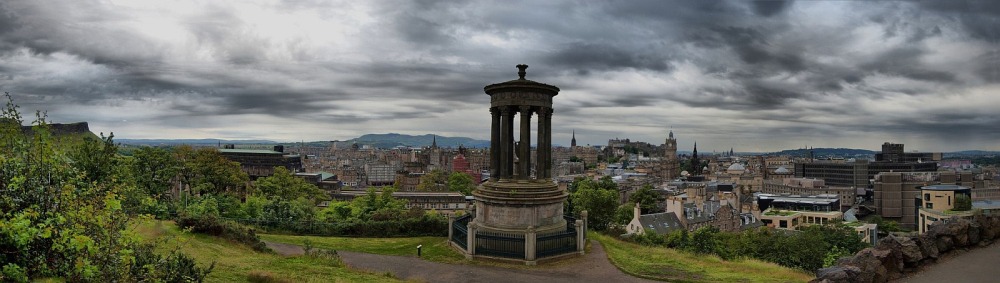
(522, 84)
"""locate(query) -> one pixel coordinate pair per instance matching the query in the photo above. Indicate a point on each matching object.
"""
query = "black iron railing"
(460, 231)
(507, 245)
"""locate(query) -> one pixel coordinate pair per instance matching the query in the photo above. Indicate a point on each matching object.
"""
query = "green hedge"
(410, 227)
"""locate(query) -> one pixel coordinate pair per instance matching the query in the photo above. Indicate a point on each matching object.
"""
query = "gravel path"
(592, 267)
(977, 265)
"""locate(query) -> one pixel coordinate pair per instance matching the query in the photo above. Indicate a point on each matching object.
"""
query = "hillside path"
(592, 267)
(977, 265)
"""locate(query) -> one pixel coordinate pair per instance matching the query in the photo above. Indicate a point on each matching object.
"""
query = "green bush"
(213, 225)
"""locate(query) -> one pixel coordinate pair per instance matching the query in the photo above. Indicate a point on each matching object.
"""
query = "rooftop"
(257, 151)
(944, 188)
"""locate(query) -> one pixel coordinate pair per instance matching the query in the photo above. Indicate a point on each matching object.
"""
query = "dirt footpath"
(593, 267)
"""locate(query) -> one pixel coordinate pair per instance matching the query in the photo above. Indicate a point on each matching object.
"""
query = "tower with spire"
(695, 162)
(671, 166)
(572, 142)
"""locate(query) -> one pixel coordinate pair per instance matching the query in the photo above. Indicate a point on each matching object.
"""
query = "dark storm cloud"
(905, 62)
(980, 18)
(769, 8)
(585, 57)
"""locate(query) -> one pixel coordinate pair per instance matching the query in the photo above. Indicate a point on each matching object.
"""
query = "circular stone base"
(513, 206)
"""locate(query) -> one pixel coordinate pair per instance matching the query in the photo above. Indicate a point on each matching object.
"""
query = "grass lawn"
(677, 266)
(434, 248)
(233, 261)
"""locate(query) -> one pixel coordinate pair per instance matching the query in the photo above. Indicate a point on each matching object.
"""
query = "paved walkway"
(977, 265)
(592, 267)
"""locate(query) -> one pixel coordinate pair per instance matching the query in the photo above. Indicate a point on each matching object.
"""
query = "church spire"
(434, 141)
(572, 142)
(695, 162)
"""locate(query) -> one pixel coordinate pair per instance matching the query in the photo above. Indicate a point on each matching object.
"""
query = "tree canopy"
(461, 182)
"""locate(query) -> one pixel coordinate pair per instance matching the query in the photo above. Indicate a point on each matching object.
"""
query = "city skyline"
(755, 76)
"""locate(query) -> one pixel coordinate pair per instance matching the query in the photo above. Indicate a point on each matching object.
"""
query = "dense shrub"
(66, 204)
(215, 226)
(426, 225)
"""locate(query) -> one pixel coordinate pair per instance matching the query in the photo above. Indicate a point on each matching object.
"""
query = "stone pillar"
(470, 240)
(541, 155)
(529, 246)
(580, 244)
(583, 216)
(509, 142)
(505, 158)
(495, 144)
(547, 120)
(524, 152)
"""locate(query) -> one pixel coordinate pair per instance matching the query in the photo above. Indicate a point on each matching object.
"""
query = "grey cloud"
(587, 57)
(769, 8)
(905, 62)
(979, 17)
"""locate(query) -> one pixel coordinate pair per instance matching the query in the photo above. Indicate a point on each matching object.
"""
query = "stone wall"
(893, 257)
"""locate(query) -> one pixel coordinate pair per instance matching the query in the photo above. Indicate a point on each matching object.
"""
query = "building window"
(783, 224)
(930, 205)
(949, 200)
(927, 197)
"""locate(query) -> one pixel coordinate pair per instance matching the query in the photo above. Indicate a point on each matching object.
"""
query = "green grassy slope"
(233, 262)
(678, 266)
(434, 248)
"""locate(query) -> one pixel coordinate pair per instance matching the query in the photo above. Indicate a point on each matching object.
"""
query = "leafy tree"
(283, 185)
(61, 210)
(624, 214)
(207, 171)
(434, 181)
(460, 182)
(575, 159)
(599, 199)
(376, 205)
(647, 198)
(154, 169)
(962, 203)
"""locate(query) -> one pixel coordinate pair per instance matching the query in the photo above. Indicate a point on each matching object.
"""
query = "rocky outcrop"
(893, 256)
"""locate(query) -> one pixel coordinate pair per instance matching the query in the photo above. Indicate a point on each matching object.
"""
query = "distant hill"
(67, 132)
(189, 141)
(827, 152)
(393, 140)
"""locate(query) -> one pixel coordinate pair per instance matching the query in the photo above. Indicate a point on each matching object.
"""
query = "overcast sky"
(755, 76)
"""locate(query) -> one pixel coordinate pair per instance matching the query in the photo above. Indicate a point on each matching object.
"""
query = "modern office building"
(260, 162)
(860, 172)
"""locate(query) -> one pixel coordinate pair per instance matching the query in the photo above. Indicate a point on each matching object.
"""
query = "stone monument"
(519, 210)
(520, 194)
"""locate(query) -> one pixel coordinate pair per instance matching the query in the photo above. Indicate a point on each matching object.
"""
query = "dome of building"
(685, 173)
(782, 170)
(736, 168)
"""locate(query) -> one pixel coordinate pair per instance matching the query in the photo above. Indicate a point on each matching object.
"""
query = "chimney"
(637, 211)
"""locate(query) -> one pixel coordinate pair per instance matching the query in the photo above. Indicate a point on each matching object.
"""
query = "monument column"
(524, 152)
(547, 172)
(509, 142)
(495, 144)
(505, 147)
(544, 152)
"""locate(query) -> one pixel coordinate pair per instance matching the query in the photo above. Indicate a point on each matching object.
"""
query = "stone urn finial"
(520, 70)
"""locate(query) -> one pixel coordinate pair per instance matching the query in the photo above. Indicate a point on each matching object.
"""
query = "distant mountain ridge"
(189, 141)
(827, 152)
(391, 140)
